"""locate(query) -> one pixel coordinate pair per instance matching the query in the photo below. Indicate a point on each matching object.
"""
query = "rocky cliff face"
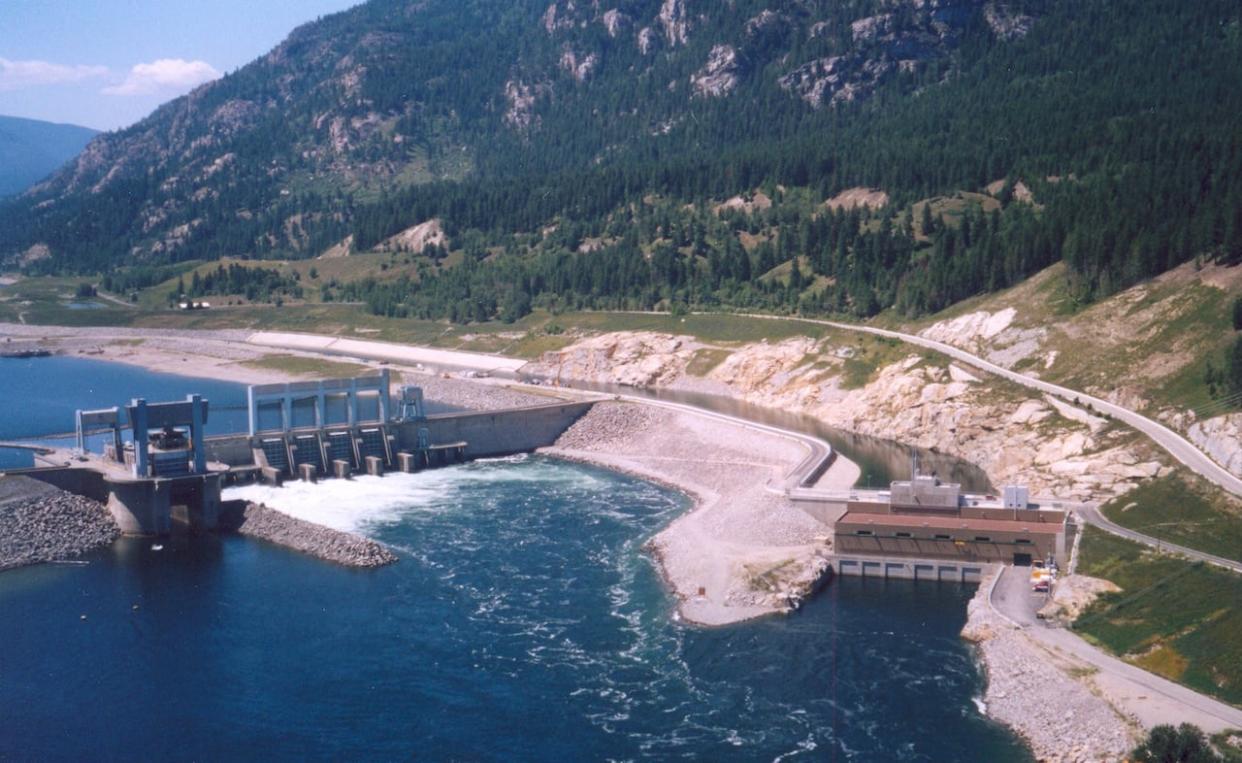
(1221, 438)
(1017, 439)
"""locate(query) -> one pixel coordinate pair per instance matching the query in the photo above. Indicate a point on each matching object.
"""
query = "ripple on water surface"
(522, 622)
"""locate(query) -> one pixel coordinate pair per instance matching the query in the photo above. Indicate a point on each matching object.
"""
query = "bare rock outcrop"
(748, 204)
(1013, 437)
(676, 22)
(1072, 595)
(639, 359)
(416, 238)
(719, 76)
(991, 335)
(646, 40)
(579, 66)
(858, 197)
(1221, 438)
(522, 97)
(1005, 23)
(615, 22)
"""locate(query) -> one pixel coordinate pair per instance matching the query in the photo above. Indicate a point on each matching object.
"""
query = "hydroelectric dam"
(167, 472)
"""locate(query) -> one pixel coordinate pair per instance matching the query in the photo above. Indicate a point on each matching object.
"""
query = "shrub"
(1184, 744)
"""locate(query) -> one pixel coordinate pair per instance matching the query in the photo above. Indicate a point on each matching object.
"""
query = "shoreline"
(1046, 699)
(713, 581)
(740, 551)
(224, 356)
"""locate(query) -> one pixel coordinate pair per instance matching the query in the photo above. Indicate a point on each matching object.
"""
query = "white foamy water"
(355, 504)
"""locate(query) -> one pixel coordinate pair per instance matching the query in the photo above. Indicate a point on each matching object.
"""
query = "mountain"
(30, 150)
(575, 152)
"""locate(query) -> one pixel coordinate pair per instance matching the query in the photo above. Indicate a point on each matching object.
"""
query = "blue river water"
(522, 622)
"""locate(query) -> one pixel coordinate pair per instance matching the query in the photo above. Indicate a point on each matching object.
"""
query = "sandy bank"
(744, 550)
(229, 356)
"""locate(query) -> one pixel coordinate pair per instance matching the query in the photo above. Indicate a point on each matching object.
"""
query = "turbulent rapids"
(523, 603)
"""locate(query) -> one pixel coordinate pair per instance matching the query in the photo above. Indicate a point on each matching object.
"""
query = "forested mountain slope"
(31, 149)
(574, 153)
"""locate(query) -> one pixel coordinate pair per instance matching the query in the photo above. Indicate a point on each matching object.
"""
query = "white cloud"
(16, 75)
(164, 75)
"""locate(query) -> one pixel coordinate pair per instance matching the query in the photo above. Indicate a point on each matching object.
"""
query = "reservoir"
(522, 622)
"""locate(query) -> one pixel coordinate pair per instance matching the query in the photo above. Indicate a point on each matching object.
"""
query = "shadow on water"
(881, 461)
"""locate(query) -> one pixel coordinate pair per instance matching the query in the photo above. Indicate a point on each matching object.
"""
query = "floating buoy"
(157, 547)
(81, 617)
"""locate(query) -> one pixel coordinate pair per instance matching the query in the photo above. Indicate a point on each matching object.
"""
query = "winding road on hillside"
(1092, 515)
(1176, 445)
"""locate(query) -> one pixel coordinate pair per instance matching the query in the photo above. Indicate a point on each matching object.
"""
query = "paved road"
(1177, 446)
(1093, 516)
(1153, 699)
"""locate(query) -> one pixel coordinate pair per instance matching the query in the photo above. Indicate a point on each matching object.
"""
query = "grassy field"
(704, 360)
(53, 301)
(1183, 509)
(303, 366)
(1177, 618)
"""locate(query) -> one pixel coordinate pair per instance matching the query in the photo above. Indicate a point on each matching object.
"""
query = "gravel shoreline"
(1040, 695)
(741, 551)
(40, 523)
(347, 549)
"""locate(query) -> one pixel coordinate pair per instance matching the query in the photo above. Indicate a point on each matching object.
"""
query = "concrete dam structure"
(170, 472)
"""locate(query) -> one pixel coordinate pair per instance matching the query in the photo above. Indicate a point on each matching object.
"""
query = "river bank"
(39, 523)
(228, 355)
(743, 550)
(346, 549)
(869, 387)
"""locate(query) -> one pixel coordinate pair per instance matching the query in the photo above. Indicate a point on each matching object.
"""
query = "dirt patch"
(853, 198)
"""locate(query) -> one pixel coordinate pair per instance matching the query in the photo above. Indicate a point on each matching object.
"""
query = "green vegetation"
(1229, 743)
(304, 366)
(1184, 744)
(255, 284)
(1172, 616)
(1183, 509)
(706, 359)
(1130, 159)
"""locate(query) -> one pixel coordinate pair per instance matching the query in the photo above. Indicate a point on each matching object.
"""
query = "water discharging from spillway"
(523, 621)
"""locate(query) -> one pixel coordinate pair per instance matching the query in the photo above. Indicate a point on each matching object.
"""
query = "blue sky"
(108, 63)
